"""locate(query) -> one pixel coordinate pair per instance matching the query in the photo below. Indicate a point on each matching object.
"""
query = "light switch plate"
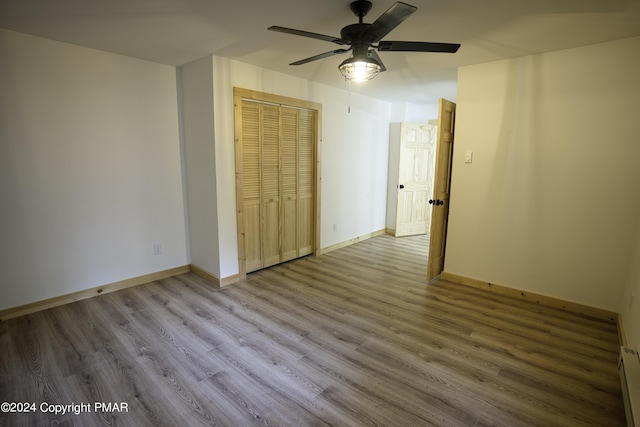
(468, 156)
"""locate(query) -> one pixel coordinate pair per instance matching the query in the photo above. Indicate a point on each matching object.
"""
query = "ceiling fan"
(364, 39)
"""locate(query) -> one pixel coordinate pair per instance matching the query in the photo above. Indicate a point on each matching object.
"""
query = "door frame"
(240, 94)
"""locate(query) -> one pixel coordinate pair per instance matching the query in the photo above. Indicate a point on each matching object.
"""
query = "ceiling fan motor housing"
(354, 32)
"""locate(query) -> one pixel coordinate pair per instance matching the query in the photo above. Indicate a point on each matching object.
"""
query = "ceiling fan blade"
(399, 46)
(373, 54)
(320, 56)
(388, 21)
(285, 30)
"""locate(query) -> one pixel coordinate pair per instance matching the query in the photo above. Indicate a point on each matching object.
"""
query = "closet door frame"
(239, 95)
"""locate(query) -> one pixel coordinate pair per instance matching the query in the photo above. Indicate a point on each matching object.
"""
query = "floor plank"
(355, 337)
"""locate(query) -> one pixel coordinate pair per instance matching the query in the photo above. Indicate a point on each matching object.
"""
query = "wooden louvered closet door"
(277, 169)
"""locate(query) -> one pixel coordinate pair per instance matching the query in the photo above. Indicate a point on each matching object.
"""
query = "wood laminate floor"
(351, 338)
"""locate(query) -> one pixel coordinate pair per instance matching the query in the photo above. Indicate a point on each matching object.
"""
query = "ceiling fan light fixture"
(365, 39)
(360, 69)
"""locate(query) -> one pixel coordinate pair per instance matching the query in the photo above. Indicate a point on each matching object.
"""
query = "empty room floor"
(355, 337)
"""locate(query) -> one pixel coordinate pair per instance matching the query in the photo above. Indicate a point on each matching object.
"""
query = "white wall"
(90, 171)
(550, 203)
(354, 154)
(412, 113)
(200, 163)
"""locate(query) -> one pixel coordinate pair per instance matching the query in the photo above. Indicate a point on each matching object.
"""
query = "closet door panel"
(253, 244)
(305, 220)
(270, 234)
(289, 175)
(270, 197)
(251, 185)
(306, 160)
(277, 154)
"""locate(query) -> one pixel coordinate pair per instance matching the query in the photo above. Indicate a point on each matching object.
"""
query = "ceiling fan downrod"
(360, 8)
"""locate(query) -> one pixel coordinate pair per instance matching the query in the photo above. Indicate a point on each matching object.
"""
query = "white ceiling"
(175, 32)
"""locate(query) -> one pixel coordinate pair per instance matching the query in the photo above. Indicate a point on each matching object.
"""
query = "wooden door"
(441, 190)
(307, 130)
(289, 170)
(270, 184)
(297, 142)
(248, 160)
(275, 182)
(415, 179)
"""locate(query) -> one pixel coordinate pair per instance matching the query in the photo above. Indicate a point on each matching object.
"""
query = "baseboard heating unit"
(629, 368)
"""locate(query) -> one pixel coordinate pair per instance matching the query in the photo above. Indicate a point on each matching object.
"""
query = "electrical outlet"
(157, 249)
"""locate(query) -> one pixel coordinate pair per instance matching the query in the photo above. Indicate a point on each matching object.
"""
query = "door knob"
(439, 202)
(432, 202)
(401, 186)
